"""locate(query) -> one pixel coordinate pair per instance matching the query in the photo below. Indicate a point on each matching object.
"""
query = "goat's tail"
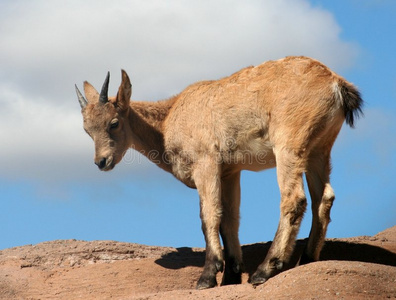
(350, 99)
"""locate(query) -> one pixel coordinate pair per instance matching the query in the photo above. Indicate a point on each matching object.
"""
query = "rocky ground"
(355, 268)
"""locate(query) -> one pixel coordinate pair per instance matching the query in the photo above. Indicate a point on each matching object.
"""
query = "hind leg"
(322, 195)
(230, 196)
(290, 168)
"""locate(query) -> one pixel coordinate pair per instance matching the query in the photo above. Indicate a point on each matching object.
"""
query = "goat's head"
(106, 121)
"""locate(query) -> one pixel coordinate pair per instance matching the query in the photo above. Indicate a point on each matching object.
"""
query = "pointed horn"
(81, 99)
(103, 98)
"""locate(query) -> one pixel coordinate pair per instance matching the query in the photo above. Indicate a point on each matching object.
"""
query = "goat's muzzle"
(104, 164)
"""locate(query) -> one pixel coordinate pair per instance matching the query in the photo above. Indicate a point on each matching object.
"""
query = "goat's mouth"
(108, 167)
(110, 164)
(106, 164)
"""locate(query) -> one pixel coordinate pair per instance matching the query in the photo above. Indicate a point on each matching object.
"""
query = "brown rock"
(354, 268)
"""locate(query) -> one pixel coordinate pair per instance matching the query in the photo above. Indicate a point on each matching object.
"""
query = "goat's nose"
(101, 163)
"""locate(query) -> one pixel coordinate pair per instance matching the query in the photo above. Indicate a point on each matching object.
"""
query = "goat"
(285, 113)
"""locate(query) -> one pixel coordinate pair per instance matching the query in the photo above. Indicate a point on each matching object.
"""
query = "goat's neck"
(146, 122)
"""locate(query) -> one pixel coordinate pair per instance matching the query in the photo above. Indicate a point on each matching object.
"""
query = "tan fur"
(285, 113)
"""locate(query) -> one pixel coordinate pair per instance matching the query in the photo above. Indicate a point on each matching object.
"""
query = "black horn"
(103, 98)
(81, 99)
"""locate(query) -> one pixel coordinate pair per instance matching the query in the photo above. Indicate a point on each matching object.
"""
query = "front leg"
(206, 176)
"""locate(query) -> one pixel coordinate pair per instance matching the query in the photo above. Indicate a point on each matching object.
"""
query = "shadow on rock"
(254, 254)
(182, 258)
(339, 250)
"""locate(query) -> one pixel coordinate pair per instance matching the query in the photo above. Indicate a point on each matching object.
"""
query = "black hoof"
(274, 267)
(235, 278)
(232, 274)
(305, 259)
(206, 282)
(208, 277)
(258, 278)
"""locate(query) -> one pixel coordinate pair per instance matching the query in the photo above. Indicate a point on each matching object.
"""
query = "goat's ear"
(91, 93)
(124, 92)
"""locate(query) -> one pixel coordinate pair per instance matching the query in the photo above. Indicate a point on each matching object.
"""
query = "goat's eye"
(114, 124)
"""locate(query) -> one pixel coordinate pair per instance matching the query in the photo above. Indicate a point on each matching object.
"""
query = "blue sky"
(49, 187)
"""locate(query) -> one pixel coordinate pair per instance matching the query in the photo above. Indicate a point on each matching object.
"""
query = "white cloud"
(47, 46)
(37, 136)
(163, 46)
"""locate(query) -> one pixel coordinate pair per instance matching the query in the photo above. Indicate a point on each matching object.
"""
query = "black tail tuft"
(352, 102)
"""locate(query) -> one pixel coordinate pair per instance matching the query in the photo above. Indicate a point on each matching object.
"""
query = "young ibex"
(285, 113)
